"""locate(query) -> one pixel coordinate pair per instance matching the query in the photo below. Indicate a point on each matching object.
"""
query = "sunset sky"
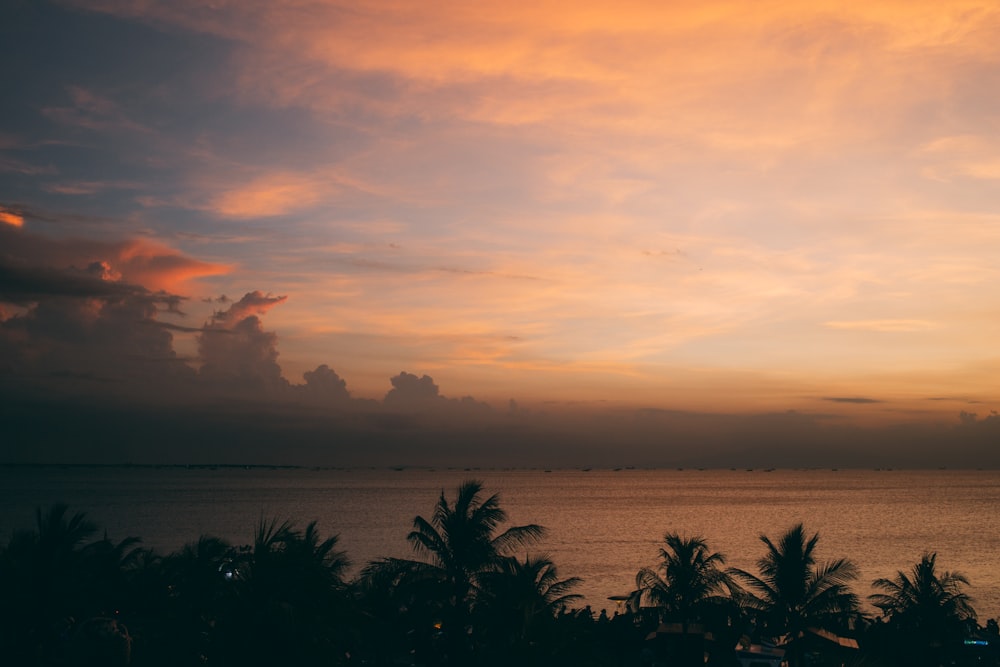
(747, 210)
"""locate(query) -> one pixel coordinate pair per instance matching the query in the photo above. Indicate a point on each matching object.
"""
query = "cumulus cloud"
(236, 352)
(85, 323)
(252, 304)
(323, 384)
(66, 326)
(73, 311)
(408, 389)
(421, 394)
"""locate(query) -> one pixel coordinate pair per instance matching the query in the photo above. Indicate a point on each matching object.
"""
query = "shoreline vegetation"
(475, 592)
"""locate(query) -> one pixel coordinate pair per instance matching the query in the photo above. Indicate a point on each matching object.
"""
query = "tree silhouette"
(461, 539)
(200, 589)
(522, 597)
(401, 601)
(55, 582)
(793, 593)
(462, 543)
(293, 600)
(689, 583)
(926, 610)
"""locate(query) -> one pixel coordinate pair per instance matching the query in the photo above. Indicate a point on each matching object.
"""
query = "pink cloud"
(152, 264)
(268, 195)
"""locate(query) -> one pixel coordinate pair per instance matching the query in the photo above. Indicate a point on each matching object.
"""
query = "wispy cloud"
(856, 400)
(271, 195)
(884, 326)
(665, 202)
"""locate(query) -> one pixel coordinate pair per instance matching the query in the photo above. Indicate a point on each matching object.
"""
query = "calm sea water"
(603, 525)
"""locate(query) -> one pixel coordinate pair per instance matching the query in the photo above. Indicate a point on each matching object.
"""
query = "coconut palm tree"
(400, 600)
(54, 578)
(527, 593)
(461, 539)
(462, 543)
(517, 613)
(200, 583)
(689, 582)
(293, 594)
(793, 593)
(925, 609)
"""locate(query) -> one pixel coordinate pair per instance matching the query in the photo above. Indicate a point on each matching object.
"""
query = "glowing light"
(11, 218)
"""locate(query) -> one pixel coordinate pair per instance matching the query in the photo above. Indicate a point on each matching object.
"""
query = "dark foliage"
(73, 598)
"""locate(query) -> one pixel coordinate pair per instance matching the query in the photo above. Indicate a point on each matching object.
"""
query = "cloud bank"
(99, 351)
(779, 222)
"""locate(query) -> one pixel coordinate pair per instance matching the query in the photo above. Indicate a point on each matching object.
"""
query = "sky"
(560, 233)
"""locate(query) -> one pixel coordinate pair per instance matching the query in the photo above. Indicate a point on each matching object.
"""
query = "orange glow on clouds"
(158, 267)
(709, 204)
(11, 218)
(270, 195)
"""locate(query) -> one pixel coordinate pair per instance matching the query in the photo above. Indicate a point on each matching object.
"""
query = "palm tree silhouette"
(461, 539)
(462, 543)
(926, 609)
(200, 582)
(793, 593)
(400, 600)
(55, 581)
(294, 597)
(689, 582)
(522, 596)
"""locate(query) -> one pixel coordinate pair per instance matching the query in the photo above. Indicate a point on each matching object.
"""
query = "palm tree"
(461, 539)
(110, 566)
(294, 594)
(688, 583)
(200, 584)
(54, 578)
(400, 602)
(793, 593)
(522, 595)
(462, 543)
(925, 608)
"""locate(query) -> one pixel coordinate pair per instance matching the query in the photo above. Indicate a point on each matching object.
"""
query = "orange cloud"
(158, 267)
(269, 195)
(690, 184)
(150, 264)
(11, 218)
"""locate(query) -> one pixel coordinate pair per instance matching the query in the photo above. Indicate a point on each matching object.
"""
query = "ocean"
(603, 524)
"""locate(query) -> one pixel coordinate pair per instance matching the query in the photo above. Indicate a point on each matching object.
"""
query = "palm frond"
(517, 537)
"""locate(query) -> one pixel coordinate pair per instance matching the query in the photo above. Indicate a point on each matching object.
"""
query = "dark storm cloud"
(21, 284)
(114, 337)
